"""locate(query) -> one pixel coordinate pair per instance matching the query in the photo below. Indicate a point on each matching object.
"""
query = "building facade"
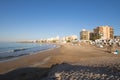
(84, 35)
(106, 32)
(71, 38)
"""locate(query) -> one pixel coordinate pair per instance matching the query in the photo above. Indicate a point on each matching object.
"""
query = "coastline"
(14, 63)
(11, 58)
(66, 53)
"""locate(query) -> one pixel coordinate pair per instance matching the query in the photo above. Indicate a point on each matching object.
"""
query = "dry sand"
(66, 53)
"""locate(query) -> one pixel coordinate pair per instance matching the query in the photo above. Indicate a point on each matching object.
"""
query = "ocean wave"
(14, 50)
(21, 49)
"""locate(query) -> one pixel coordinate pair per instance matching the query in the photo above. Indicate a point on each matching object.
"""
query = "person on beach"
(109, 47)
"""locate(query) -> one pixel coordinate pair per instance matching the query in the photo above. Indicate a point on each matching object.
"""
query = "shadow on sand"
(32, 73)
(29, 73)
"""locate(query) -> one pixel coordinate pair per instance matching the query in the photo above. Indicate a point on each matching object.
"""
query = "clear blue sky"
(36, 19)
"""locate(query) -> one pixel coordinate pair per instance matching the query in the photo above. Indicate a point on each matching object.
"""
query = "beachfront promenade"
(84, 55)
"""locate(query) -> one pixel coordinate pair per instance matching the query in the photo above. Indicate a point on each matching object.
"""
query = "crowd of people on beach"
(112, 45)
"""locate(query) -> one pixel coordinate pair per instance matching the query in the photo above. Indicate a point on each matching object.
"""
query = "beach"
(83, 55)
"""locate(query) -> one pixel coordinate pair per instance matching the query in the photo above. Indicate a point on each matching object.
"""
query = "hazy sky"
(36, 19)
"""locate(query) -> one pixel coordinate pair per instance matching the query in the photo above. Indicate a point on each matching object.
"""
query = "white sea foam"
(21, 49)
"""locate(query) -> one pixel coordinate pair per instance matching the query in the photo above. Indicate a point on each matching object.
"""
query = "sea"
(13, 50)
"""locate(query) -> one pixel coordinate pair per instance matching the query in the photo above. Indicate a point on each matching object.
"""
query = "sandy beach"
(85, 55)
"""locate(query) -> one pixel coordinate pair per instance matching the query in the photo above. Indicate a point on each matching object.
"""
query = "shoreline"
(25, 55)
(65, 53)
(18, 60)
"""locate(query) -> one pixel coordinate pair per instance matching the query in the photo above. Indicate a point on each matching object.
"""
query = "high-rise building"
(85, 35)
(106, 32)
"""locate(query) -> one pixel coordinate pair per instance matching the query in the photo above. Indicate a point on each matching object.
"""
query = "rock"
(85, 73)
(58, 76)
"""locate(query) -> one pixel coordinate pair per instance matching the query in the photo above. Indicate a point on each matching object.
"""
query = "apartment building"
(106, 32)
(84, 35)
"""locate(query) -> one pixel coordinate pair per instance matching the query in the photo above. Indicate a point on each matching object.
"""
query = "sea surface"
(13, 50)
